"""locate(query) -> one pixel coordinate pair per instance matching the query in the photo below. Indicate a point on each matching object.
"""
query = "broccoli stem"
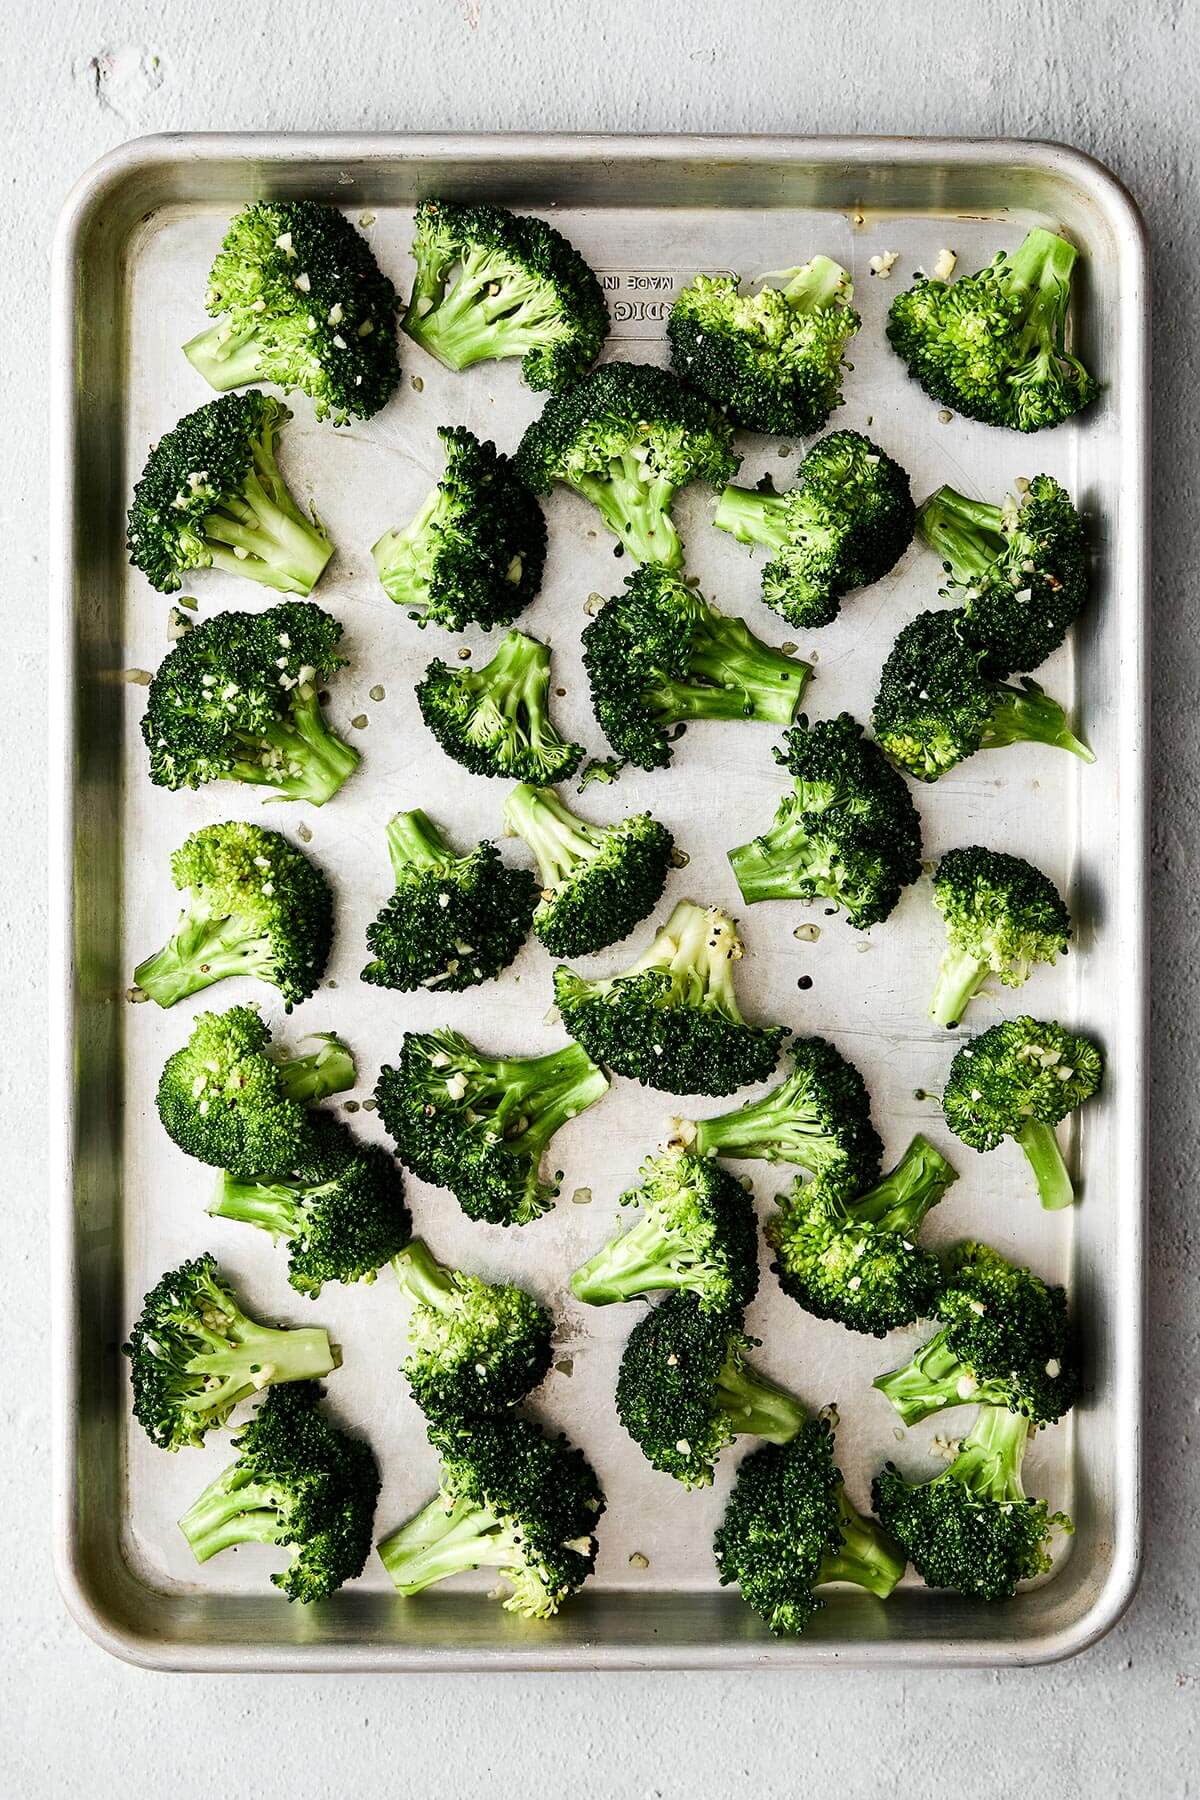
(928, 1382)
(635, 505)
(441, 1541)
(404, 559)
(424, 1281)
(1040, 275)
(780, 1127)
(243, 1356)
(414, 842)
(273, 1206)
(753, 517)
(780, 863)
(560, 842)
(1040, 1144)
(233, 1509)
(990, 1456)
(867, 1556)
(815, 285)
(226, 358)
(279, 547)
(640, 1261)
(489, 312)
(304, 759)
(1027, 715)
(900, 1200)
(960, 976)
(329, 1070)
(201, 950)
(539, 1094)
(968, 535)
(696, 948)
(755, 1406)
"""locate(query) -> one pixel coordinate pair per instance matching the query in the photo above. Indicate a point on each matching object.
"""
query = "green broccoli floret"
(474, 553)
(857, 1261)
(518, 289)
(226, 1101)
(496, 720)
(628, 437)
(936, 704)
(1019, 569)
(453, 921)
(789, 1529)
(478, 1124)
(513, 1499)
(848, 520)
(302, 303)
(994, 345)
(1002, 916)
(660, 654)
(255, 905)
(238, 699)
(847, 831)
(597, 881)
(671, 1019)
(1019, 1080)
(474, 1347)
(685, 1390)
(697, 1232)
(772, 360)
(297, 1481)
(194, 1354)
(1005, 1341)
(972, 1528)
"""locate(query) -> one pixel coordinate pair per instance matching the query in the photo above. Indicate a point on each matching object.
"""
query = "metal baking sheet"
(132, 255)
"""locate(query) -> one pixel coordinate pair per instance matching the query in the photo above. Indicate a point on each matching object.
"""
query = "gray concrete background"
(1118, 80)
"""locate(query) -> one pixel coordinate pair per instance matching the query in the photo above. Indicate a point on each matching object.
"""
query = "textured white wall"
(1117, 80)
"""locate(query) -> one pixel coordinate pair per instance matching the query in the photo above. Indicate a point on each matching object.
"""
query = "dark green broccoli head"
(994, 345)
(1002, 917)
(474, 553)
(496, 720)
(303, 304)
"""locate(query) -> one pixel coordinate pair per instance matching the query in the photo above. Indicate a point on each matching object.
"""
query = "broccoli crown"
(238, 699)
(474, 553)
(1020, 569)
(1020, 1071)
(936, 705)
(847, 831)
(478, 1124)
(994, 345)
(298, 1481)
(194, 1354)
(660, 654)
(453, 921)
(520, 290)
(496, 720)
(303, 304)
(512, 1498)
(789, 1529)
(224, 1100)
(597, 881)
(685, 1391)
(697, 1231)
(627, 437)
(857, 1261)
(972, 1528)
(671, 1020)
(848, 520)
(255, 906)
(474, 1347)
(211, 497)
(1002, 916)
(772, 360)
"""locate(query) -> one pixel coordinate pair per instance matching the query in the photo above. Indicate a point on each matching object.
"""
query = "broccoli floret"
(194, 1354)
(496, 720)
(302, 303)
(341, 1210)
(1019, 569)
(936, 704)
(857, 1261)
(847, 831)
(1002, 916)
(211, 497)
(789, 1529)
(772, 360)
(972, 1528)
(597, 881)
(685, 1390)
(1019, 1080)
(255, 905)
(994, 345)
(478, 1124)
(848, 520)
(1005, 1341)
(297, 1481)
(474, 1347)
(512, 1499)
(628, 437)
(238, 699)
(226, 1101)
(474, 553)
(518, 289)
(671, 1019)
(660, 654)
(697, 1232)
(453, 921)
